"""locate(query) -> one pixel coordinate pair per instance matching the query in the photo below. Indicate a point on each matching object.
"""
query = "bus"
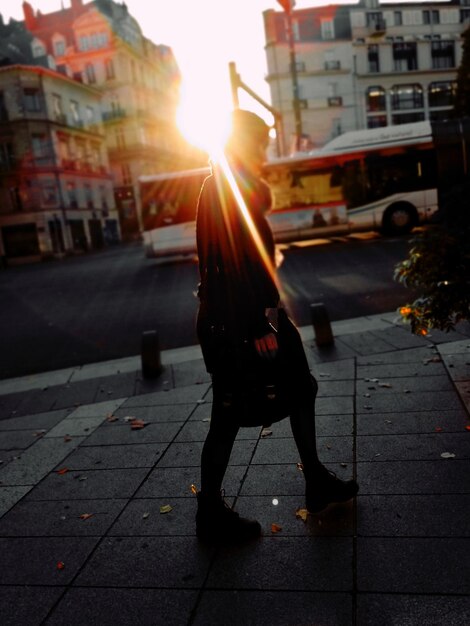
(376, 179)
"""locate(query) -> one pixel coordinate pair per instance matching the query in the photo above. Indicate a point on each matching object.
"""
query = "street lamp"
(288, 5)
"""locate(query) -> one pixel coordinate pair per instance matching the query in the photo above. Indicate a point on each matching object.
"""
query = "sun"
(204, 118)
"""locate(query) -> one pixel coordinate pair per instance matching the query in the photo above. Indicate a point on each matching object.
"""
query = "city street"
(94, 307)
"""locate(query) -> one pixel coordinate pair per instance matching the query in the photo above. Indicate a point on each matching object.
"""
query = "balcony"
(332, 65)
(377, 28)
(115, 114)
(335, 101)
(61, 118)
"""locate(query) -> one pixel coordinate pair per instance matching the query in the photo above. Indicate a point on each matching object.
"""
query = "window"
(441, 94)
(90, 115)
(431, 17)
(88, 196)
(464, 15)
(404, 57)
(126, 174)
(327, 29)
(330, 62)
(442, 54)
(90, 73)
(75, 110)
(49, 193)
(32, 100)
(373, 58)
(397, 18)
(83, 43)
(109, 69)
(39, 146)
(120, 137)
(376, 121)
(59, 47)
(407, 118)
(407, 97)
(6, 156)
(57, 107)
(375, 99)
(72, 195)
(38, 48)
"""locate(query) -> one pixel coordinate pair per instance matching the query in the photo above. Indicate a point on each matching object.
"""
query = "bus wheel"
(399, 219)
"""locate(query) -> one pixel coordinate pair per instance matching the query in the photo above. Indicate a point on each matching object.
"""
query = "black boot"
(216, 521)
(324, 487)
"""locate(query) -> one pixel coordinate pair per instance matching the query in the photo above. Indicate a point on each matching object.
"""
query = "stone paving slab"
(404, 385)
(335, 388)
(7, 456)
(283, 480)
(337, 521)
(399, 337)
(330, 450)
(182, 395)
(427, 447)
(425, 400)
(175, 482)
(83, 392)
(89, 484)
(435, 610)
(27, 605)
(115, 457)
(75, 427)
(413, 516)
(340, 370)
(197, 431)
(60, 518)
(337, 406)
(160, 413)
(109, 607)
(33, 561)
(98, 409)
(37, 461)
(413, 565)
(115, 434)
(143, 518)
(273, 608)
(168, 562)
(9, 496)
(405, 370)
(115, 386)
(367, 343)
(290, 563)
(18, 439)
(8, 404)
(337, 352)
(189, 454)
(412, 422)
(449, 476)
(34, 422)
(190, 373)
(326, 426)
(413, 355)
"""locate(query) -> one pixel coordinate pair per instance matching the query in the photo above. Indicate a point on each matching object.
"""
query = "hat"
(248, 124)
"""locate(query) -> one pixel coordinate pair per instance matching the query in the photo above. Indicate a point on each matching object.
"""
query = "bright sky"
(205, 36)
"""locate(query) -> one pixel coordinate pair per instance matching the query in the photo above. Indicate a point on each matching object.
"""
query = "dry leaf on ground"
(166, 508)
(275, 528)
(86, 515)
(302, 514)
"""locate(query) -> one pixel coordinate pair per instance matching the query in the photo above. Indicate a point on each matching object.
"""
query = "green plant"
(438, 268)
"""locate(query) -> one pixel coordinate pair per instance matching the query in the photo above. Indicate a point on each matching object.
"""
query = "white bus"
(376, 179)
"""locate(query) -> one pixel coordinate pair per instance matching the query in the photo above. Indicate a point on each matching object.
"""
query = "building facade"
(365, 65)
(101, 45)
(56, 190)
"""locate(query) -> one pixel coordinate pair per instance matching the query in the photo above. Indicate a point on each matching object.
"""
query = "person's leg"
(215, 520)
(322, 486)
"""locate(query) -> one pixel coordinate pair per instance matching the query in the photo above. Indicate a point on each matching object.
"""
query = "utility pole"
(288, 5)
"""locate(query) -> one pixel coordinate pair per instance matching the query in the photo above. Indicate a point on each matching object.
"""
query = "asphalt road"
(95, 307)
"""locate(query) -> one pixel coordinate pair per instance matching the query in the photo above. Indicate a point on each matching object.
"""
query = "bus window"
(296, 187)
(353, 184)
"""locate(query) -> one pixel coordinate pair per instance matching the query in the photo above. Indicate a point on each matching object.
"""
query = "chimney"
(76, 6)
(29, 17)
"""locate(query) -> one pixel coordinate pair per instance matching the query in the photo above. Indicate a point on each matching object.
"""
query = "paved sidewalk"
(86, 531)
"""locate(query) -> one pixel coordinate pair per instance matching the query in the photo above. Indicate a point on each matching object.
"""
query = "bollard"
(321, 325)
(150, 354)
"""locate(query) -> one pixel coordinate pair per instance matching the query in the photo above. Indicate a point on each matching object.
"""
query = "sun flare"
(204, 120)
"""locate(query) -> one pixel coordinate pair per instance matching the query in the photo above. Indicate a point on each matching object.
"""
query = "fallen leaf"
(367, 406)
(138, 424)
(194, 489)
(86, 515)
(385, 385)
(129, 418)
(438, 429)
(367, 395)
(60, 565)
(266, 432)
(374, 380)
(201, 401)
(67, 438)
(64, 470)
(448, 455)
(82, 478)
(111, 418)
(39, 433)
(300, 467)
(343, 464)
(206, 419)
(388, 421)
(145, 515)
(321, 374)
(302, 514)
(275, 528)
(166, 508)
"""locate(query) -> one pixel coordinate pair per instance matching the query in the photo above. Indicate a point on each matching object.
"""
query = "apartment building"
(101, 45)
(365, 65)
(56, 192)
